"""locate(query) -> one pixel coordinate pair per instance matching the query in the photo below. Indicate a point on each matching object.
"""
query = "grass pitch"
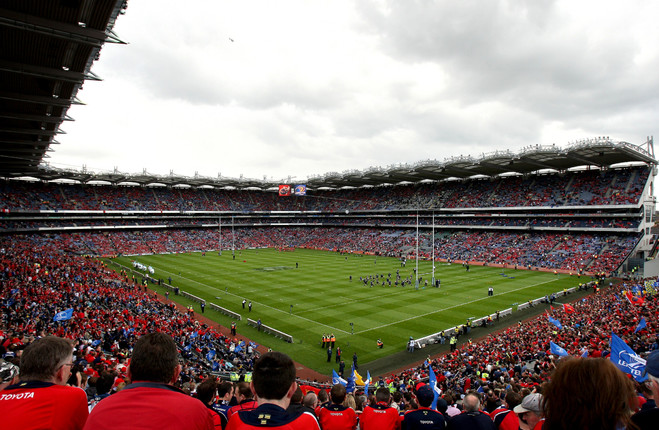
(325, 300)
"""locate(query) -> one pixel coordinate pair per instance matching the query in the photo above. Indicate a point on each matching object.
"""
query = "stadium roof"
(47, 48)
(598, 152)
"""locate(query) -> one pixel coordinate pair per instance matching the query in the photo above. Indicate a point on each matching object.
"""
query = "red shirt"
(337, 417)
(379, 417)
(245, 405)
(42, 405)
(150, 405)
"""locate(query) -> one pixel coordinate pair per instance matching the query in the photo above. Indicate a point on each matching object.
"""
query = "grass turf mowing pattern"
(325, 300)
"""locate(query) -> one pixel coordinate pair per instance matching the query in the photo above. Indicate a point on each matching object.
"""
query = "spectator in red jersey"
(273, 382)
(41, 400)
(151, 400)
(380, 416)
(336, 416)
(529, 412)
(245, 398)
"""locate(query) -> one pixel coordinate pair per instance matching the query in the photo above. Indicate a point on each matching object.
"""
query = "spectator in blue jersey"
(423, 418)
(273, 382)
(472, 417)
(206, 392)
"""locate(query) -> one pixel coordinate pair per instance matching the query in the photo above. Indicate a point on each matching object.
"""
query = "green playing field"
(307, 293)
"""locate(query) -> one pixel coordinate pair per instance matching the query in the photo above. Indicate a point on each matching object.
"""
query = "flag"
(584, 352)
(432, 381)
(633, 299)
(626, 359)
(64, 315)
(568, 308)
(367, 383)
(300, 190)
(284, 190)
(641, 325)
(210, 355)
(336, 379)
(350, 386)
(358, 378)
(556, 322)
(557, 350)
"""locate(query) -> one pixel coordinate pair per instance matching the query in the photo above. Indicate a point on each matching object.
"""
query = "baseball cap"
(652, 364)
(530, 403)
(7, 371)
(425, 395)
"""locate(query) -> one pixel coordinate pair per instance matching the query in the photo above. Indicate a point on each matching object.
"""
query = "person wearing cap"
(8, 374)
(472, 417)
(648, 418)
(423, 418)
(42, 399)
(529, 412)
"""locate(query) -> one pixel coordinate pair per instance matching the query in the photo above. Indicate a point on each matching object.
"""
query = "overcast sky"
(297, 88)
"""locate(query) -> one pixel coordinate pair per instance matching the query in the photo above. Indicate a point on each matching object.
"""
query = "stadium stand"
(592, 220)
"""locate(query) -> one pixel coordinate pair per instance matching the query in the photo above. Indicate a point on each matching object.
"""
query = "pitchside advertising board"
(289, 190)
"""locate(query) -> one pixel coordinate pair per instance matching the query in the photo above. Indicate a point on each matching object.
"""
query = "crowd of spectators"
(585, 253)
(584, 188)
(109, 311)
(23, 224)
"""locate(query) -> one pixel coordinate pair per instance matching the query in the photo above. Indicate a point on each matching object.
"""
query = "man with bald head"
(471, 417)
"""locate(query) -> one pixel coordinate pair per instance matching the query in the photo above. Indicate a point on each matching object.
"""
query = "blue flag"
(64, 315)
(556, 322)
(432, 381)
(557, 350)
(626, 359)
(367, 383)
(336, 379)
(350, 387)
(211, 355)
(641, 325)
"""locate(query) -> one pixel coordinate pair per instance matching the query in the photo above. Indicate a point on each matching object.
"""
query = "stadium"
(390, 263)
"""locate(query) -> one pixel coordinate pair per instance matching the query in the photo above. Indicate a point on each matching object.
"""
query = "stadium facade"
(586, 207)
